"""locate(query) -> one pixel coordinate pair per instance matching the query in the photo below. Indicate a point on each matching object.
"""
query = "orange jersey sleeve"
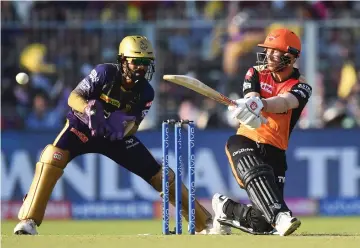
(277, 131)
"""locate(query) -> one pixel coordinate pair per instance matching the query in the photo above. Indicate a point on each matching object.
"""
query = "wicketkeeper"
(274, 90)
(107, 108)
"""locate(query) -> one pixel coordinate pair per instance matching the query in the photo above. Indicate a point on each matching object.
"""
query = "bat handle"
(233, 103)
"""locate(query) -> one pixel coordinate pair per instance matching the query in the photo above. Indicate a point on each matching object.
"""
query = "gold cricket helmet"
(136, 46)
(137, 50)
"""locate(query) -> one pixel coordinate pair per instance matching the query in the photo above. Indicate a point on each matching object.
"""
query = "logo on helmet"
(273, 37)
(143, 45)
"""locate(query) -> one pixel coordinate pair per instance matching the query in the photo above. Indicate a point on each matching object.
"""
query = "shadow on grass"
(327, 234)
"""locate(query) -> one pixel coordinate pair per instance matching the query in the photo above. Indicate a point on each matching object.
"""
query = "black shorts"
(273, 156)
(129, 152)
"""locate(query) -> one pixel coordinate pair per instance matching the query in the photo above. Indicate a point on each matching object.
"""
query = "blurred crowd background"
(58, 43)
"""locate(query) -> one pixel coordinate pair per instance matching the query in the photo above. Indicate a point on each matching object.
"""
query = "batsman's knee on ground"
(202, 216)
(47, 171)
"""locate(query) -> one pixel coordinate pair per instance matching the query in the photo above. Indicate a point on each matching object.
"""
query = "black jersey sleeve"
(251, 81)
(302, 92)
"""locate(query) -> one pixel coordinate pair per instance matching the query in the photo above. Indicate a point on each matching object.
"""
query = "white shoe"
(217, 203)
(26, 227)
(207, 230)
(285, 224)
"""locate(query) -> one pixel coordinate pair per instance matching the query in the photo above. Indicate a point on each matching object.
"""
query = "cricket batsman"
(107, 108)
(275, 90)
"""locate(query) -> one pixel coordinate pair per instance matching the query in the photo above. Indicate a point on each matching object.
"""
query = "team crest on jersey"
(93, 76)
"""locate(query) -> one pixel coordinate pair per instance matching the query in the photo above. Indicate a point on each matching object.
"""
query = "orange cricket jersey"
(277, 131)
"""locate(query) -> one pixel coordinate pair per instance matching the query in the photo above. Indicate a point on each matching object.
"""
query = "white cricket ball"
(22, 78)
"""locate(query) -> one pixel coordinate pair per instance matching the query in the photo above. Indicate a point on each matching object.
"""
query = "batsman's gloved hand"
(248, 112)
(96, 120)
(118, 121)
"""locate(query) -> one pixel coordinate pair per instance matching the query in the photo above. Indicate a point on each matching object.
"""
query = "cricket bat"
(199, 87)
(203, 89)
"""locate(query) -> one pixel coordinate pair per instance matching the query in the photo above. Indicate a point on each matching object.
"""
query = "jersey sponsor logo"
(266, 87)
(246, 86)
(131, 143)
(306, 87)
(80, 135)
(93, 76)
(148, 104)
(242, 150)
(300, 92)
(110, 100)
(84, 85)
(57, 156)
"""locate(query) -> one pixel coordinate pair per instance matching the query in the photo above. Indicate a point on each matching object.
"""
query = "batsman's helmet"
(138, 50)
(283, 40)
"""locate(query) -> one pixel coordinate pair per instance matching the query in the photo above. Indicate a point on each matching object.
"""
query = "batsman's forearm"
(77, 102)
(276, 104)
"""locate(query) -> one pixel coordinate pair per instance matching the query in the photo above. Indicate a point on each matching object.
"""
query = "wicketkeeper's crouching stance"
(107, 107)
(275, 90)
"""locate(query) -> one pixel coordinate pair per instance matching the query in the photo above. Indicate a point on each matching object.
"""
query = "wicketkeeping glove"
(118, 121)
(96, 120)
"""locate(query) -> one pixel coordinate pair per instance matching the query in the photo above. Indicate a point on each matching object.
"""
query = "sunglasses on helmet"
(140, 61)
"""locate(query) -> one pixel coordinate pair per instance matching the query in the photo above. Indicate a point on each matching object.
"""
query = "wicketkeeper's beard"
(138, 75)
(133, 77)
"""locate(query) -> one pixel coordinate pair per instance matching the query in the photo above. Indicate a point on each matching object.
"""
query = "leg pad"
(47, 171)
(259, 182)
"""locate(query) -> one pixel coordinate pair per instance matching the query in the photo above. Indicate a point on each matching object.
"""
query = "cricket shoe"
(217, 203)
(26, 227)
(208, 228)
(285, 224)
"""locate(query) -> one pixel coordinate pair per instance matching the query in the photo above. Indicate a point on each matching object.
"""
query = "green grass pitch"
(314, 232)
